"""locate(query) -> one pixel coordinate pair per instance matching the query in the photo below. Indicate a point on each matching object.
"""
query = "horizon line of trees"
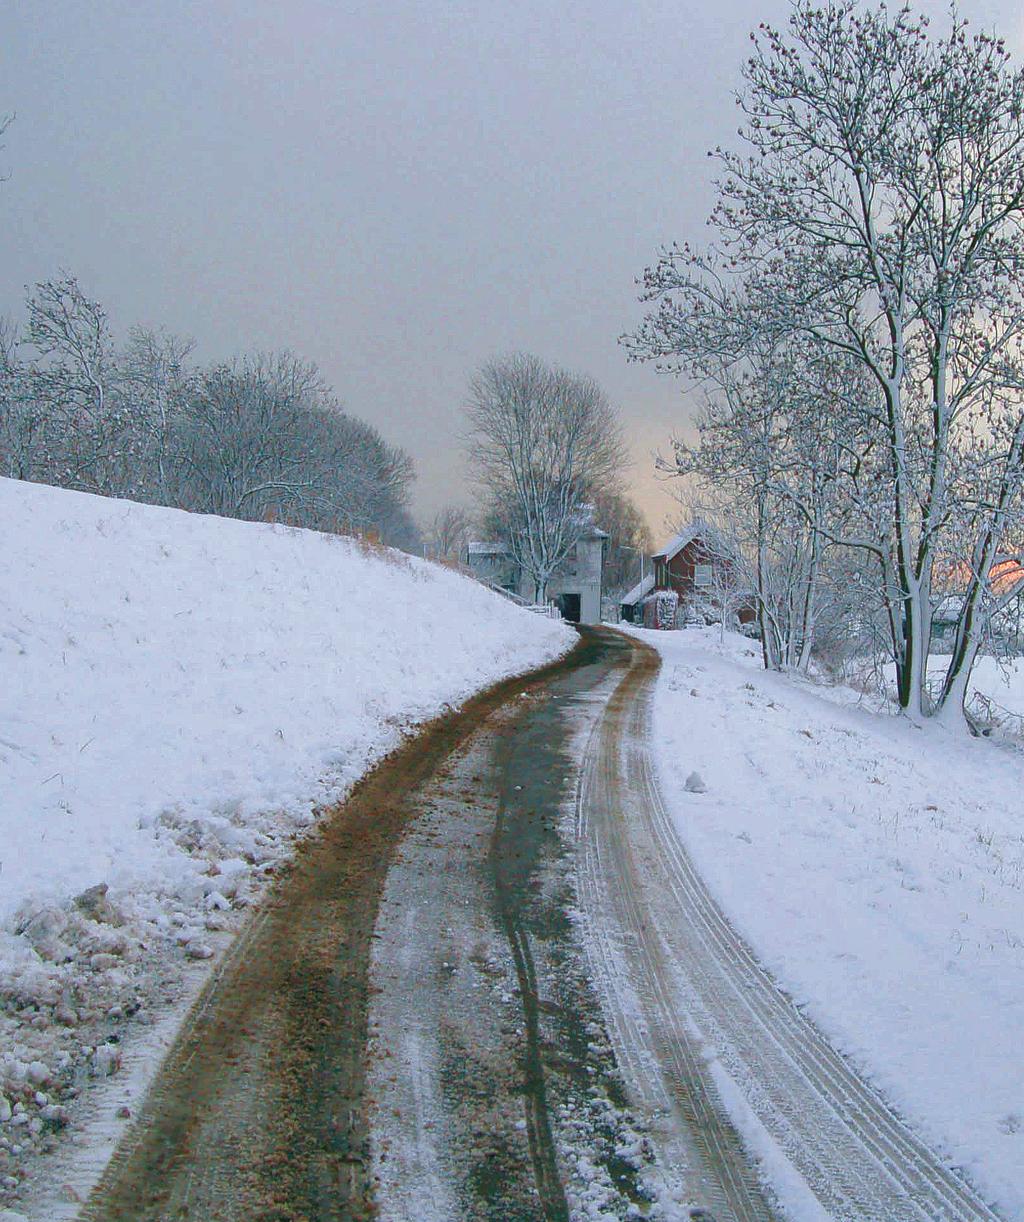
(258, 437)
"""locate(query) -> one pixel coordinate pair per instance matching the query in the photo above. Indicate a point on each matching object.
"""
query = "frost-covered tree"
(263, 437)
(244, 443)
(72, 378)
(156, 381)
(383, 476)
(768, 467)
(258, 437)
(877, 213)
(21, 422)
(5, 123)
(542, 441)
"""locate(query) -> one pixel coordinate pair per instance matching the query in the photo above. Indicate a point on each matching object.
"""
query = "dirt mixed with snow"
(183, 694)
(494, 1086)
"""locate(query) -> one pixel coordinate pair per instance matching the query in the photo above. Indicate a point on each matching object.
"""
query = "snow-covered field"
(878, 870)
(179, 695)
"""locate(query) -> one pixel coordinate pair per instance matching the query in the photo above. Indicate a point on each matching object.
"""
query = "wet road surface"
(494, 987)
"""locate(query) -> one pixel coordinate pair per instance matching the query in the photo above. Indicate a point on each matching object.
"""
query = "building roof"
(714, 541)
(679, 541)
(640, 590)
(485, 547)
(493, 547)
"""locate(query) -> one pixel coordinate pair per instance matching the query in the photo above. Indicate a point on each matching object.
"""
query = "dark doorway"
(569, 605)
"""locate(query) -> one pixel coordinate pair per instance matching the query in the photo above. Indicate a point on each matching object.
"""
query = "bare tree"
(20, 419)
(258, 437)
(385, 477)
(5, 123)
(73, 376)
(246, 441)
(155, 381)
(767, 469)
(449, 532)
(263, 437)
(629, 538)
(542, 441)
(880, 214)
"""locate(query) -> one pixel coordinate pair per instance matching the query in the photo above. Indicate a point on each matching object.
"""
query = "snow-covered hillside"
(878, 870)
(178, 695)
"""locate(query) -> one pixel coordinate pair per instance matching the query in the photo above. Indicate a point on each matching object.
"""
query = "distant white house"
(491, 563)
(575, 586)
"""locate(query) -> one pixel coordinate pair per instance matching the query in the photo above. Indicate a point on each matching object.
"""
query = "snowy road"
(495, 1093)
(701, 1030)
(496, 989)
(258, 1112)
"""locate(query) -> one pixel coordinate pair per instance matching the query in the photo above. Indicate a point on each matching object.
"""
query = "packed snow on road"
(181, 695)
(877, 867)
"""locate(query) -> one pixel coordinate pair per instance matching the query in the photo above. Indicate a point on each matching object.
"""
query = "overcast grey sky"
(396, 190)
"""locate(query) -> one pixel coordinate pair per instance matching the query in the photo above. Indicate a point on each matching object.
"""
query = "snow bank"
(179, 695)
(999, 682)
(878, 870)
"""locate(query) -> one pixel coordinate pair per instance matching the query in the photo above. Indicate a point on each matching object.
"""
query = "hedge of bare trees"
(261, 437)
(859, 322)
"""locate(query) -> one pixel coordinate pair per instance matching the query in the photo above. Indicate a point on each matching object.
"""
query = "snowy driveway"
(497, 989)
(704, 1035)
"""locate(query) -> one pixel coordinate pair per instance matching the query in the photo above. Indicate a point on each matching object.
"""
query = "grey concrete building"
(575, 586)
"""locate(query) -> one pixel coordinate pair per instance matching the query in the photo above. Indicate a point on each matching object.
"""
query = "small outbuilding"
(631, 605)
(490, 562)
(694, 580)
(576, 585)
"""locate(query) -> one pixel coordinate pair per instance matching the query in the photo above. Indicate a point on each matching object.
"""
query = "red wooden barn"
(694, 577)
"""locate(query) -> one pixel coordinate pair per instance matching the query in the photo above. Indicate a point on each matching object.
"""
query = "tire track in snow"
(656, 1049)
(679, 980)
(259, 1110)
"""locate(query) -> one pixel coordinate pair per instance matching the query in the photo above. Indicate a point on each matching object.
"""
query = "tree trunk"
(912, 668)
(950, 706)
(808, 611)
